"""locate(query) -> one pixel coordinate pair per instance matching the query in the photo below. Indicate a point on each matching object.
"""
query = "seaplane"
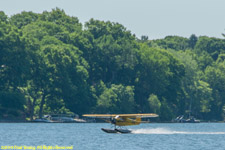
(121, 120)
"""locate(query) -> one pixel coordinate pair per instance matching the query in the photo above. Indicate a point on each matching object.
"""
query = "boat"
(192, 120)
(42, 120)
(79, 120)
(181, 119)
(65, 118)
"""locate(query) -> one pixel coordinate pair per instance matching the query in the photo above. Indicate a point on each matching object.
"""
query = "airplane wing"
(150, 115)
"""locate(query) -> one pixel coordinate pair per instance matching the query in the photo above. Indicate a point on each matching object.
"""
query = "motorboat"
(42, 120)
(181, 119)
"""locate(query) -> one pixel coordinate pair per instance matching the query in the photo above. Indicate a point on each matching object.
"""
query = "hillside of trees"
(51, 63)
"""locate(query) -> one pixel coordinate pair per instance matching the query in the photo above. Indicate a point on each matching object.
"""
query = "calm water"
(88, 136)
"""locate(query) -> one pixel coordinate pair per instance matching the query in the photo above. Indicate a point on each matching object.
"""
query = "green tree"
(166, 112)
(116, 99)
(159, 73)
(215, 76)
(188, 82)
(154, 103)
(23, 19)
(113, 55)
(59, 17)
(213, 46)
(11, 104)
(14, 61)
(192, 41)
(173, 42)
(57, 67)
(202, 105)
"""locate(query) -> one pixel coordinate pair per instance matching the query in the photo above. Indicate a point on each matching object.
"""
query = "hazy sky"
(154, 18)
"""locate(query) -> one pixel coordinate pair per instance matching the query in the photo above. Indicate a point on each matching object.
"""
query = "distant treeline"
(51, 63)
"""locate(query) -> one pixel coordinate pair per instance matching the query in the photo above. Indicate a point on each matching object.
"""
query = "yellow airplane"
(121, 120)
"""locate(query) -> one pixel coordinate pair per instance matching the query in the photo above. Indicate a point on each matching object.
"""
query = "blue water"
(88, 136)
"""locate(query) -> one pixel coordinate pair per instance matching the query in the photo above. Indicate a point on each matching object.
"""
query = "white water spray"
(168, 131)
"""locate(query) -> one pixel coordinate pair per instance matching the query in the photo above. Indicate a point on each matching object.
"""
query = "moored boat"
(181, 119)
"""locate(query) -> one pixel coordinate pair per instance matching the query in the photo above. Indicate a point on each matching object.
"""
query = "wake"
(167, 131)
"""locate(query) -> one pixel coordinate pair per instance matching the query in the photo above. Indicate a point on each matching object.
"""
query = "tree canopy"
(51, 63)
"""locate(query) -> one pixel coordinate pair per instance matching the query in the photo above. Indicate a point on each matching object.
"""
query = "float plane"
(120, 120)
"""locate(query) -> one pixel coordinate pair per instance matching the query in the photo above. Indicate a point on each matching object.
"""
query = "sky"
(153, 18)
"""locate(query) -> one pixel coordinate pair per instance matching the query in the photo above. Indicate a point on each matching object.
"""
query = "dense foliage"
(51, 63)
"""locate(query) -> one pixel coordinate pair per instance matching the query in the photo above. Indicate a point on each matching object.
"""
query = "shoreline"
(25, 121)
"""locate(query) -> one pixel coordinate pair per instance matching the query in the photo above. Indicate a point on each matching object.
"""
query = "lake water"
(155, 136)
